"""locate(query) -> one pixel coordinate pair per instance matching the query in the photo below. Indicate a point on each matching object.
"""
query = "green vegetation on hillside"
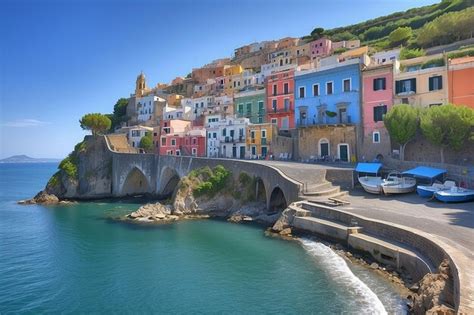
(97, 123)
(431, 25)
(212, 181)
(120, 113)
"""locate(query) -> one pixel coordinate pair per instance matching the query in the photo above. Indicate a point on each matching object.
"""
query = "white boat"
(371, 184)
(368, 177)
(395, 183)
(455, 194)
(427, 191)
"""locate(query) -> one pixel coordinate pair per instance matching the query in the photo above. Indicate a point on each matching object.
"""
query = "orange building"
(461, 81)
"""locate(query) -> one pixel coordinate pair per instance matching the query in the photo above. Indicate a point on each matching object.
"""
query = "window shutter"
(430, 83)
(375, 114)
(383, 84)
(397, 87)
(440, 82)
(375, 84)
(413, 81)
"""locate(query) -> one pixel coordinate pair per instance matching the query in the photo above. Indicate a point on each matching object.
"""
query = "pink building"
(320, 48)
(179, 137)
(377, 99)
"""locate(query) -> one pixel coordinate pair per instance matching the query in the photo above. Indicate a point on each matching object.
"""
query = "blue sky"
(62, 59)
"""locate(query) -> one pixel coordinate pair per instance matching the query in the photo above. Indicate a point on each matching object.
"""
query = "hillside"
(375, 32)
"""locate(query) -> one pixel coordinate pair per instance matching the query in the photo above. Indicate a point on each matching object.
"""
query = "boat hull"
(403, 186)
(371, 184)
(426, 191)
(448, 196)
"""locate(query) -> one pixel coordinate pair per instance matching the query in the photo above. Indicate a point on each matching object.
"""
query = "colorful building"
(320, 47)
(232, 134)
(461, 81)
(421, 81)
(179, 137)
(259, 140)
(328, 98)
(280, 99)
(250, 104)
(377, 99)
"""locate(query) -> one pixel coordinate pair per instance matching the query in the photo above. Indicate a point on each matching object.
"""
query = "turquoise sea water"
(73, 259)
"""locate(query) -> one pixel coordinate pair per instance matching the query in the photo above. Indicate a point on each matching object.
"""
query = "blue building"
(329, 95)
(328, 111)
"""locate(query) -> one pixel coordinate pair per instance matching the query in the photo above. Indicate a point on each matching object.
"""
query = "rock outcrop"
(434, 294)
(41, 198)
(86, 173)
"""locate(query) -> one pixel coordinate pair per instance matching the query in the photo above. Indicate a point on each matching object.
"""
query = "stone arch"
(277, 201)
(136, 183)
(167, 181)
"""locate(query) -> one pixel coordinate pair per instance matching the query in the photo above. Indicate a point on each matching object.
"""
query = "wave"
(361, 297)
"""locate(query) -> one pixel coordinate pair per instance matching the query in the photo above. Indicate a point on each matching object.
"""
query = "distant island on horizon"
(27, 159)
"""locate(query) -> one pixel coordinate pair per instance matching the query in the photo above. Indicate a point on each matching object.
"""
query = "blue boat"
(428, 175)
(455, 194)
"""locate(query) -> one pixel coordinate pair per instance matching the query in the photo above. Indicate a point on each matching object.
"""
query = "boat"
(455, 194)
(428, 177)
(396, 183)
(368, 177)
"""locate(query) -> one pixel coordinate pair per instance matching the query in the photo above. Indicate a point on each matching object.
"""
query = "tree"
(95, 122)
(400, 36)
(317, 33)
(448, 126)
(120, 113)
(402, 123)
(343, 36)
(146, 142)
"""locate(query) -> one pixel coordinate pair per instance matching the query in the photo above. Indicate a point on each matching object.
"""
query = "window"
(379, 84)
(249, 108)
(194, 151)
(376, 137)
(405, 86)
(285, 88)
(224, 132)
(274, 105)
(435, 83)
(329, 88)
(194, 141)
(301, 92)
(155, 134)
(287, 104)
(163, 141)
(264, 133)
(379, 112)
(214, 135)
(274, 89)
(241, 109)
(173, 142)
(346, 85)
(315, 89)
(274, 121)
(252, 134)
(135, 133)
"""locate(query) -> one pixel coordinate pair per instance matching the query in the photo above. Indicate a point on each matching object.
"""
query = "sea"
(78, 259)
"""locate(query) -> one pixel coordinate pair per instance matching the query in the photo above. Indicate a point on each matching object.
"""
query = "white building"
(232, 133)
(136, 133)
(146, 107)
(386, 56)
(213, 139)
(177, 112)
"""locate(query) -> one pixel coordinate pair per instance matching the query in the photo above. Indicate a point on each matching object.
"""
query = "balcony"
(326, 121)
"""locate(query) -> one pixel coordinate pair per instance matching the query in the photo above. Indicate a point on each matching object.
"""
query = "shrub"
(460, 54)
(433, 63)
(54, 181)
(69, 166)
(213, 181)
(406, 53)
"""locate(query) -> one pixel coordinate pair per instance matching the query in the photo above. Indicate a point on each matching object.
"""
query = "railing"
(326, 121)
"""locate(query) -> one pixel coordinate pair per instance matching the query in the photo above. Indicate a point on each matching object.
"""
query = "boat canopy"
(368, 167)
(424, 171)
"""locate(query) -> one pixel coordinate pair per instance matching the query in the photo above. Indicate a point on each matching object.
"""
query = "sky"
(62, 59)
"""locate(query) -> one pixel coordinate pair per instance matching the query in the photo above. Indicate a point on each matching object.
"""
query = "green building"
(250, 104)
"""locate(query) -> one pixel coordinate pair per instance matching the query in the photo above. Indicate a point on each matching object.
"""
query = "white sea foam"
(361, 296)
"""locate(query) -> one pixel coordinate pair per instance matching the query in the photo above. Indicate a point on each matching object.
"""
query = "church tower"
(140, 86)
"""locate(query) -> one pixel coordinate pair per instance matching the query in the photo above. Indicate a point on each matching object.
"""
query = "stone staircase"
(327, 223)
(119, 143)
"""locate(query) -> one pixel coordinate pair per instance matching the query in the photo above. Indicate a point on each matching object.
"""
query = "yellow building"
(174, 99)
(422, 81)
(232, 70)
(259, 139)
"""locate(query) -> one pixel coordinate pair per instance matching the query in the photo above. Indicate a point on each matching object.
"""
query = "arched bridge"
(158, 175)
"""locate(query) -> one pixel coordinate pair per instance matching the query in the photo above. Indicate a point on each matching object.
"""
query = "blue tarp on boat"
(368, 167)
(424, 171)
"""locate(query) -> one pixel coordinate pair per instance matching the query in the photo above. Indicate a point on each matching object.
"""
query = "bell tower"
(140, 85)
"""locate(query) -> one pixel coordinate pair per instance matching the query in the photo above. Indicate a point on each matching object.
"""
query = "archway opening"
(277, 201)
(168, 182)
(136, 183)
(260, 191)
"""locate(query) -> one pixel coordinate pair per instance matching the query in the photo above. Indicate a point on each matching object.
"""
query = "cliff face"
(86, 173)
